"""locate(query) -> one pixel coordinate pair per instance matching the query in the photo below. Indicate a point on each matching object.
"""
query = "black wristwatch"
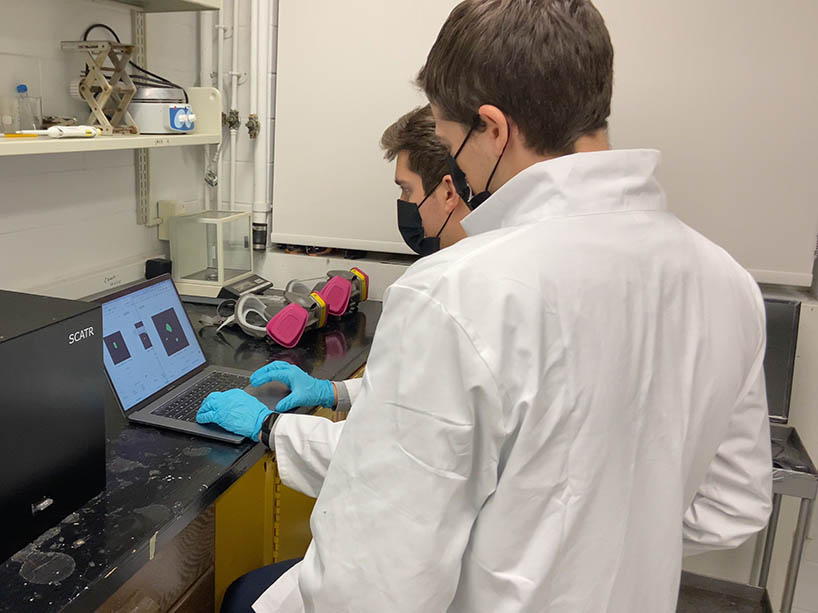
(267, 428)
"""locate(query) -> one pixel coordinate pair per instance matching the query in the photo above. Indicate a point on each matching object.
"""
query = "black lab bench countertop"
(158, 481)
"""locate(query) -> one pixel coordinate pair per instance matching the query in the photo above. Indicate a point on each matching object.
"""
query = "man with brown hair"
(429, 215)
(429, 209)
(559, 406)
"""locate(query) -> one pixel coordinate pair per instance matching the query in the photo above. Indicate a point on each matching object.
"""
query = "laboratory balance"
(212, 255)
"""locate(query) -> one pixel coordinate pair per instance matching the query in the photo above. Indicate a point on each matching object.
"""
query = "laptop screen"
(148, 342)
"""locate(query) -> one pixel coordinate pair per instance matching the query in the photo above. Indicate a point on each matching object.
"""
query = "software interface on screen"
(148, 342)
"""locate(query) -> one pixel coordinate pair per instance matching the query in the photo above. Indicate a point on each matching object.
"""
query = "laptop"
(156, 366)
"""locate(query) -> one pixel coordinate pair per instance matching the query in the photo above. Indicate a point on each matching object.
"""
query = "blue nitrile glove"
(234, 410)
(305, 391)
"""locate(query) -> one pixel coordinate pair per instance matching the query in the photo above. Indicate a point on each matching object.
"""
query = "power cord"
(155, 81)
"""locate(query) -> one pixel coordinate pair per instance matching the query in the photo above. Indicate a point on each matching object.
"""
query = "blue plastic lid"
(22, 88)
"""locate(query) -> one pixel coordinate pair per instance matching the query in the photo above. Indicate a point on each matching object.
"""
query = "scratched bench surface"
(158, 481)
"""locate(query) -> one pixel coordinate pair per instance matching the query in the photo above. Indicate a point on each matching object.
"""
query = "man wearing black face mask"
(429, 215)
(430, 208)
(559, 407)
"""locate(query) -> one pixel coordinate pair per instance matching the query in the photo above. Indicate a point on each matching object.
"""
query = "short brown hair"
(547, 64)
(415, 134)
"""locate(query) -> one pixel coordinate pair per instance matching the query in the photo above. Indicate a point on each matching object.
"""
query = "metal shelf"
(26, 146)
(206, 103)
(173, 6)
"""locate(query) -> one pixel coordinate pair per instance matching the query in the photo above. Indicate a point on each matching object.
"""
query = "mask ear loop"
(431, 191)
(474, 125)
(496, 166)
(463, 144)
(444, 224)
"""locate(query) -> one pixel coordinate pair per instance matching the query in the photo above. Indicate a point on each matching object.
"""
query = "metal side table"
(794, 474)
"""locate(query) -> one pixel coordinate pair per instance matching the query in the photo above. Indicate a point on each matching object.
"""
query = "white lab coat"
(554, 410)
(305, 444)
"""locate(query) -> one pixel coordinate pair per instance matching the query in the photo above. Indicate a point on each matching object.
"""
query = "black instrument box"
(52, 413)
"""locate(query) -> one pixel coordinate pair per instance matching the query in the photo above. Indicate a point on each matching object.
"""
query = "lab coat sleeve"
(304, 446)
(734, 501)
(417, 461)
(346, 392)
(353, 388)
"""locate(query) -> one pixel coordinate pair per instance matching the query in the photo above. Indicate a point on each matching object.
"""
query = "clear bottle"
(9, 115)
(29, 109)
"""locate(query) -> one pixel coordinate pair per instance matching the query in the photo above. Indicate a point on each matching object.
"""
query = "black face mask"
(461, 184)
(410, 225)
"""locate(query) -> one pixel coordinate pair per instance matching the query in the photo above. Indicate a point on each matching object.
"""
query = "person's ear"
(498, 126)
(449, 196)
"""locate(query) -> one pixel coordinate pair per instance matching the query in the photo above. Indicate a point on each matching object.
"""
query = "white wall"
(728, 91)
(68, 222)
(346, 72)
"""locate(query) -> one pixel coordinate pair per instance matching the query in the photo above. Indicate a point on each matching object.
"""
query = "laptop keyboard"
(187, 405)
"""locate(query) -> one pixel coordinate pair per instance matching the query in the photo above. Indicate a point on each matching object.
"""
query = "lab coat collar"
(571, 185)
